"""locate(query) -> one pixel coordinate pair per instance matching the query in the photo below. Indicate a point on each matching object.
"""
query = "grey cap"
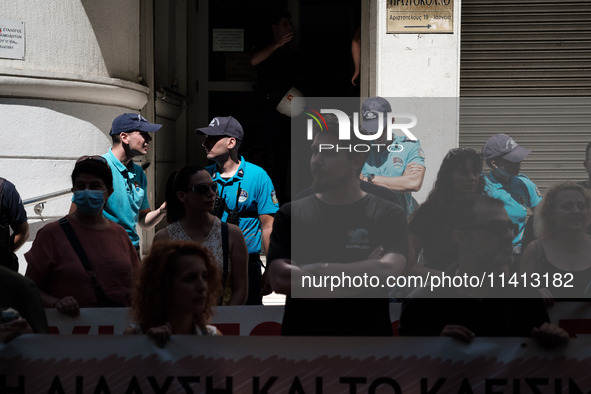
(503, 146)
(223, 125)
(371, 110)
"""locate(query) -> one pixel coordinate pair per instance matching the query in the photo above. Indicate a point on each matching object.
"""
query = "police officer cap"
(127, 123)
(371, 110)
(503, 146)
(223, 125)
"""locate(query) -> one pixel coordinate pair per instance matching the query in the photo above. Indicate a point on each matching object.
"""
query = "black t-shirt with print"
(309, 231)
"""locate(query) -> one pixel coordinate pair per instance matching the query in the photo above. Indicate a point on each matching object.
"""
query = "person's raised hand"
(284, 39)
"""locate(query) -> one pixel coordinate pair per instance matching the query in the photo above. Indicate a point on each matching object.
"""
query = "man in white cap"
(400, 167)
(129, 205)
(246, 195)
(504, 156)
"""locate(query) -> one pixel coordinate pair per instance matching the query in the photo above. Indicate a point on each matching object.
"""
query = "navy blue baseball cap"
(372, 109)
(503, 146)
(127, 123)
(223, 125)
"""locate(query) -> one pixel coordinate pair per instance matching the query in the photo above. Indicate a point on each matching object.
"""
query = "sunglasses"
(497, 227)
(459, 151)
(204, 188)
(100, 159)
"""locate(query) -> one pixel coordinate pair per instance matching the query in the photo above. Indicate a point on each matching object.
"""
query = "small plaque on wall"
(12, 39)
(420, 16)
(228, 40)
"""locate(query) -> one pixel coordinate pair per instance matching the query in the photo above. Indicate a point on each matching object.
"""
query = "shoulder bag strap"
(102, 298)
(225, 248)
(513, 195)
(67, 227)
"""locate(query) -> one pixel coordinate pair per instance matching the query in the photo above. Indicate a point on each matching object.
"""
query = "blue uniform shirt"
(393, 161)
(257, 197)
(130, 195)
(518, 195)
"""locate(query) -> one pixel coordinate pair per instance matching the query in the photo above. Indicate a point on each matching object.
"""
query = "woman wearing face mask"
(459, 175)
(504, 182)
(84, 260)
(190, 197)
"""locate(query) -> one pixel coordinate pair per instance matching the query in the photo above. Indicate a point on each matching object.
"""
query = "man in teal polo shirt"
(246, 195)
(129, 205)
(400, 166)
(504, 156)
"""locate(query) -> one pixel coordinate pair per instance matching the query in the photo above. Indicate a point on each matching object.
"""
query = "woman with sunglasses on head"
(176, 288)
(190, 197)
(561, 257)
(458, 175)
(84, 260)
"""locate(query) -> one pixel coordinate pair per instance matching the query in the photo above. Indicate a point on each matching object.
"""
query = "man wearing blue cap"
(505, 182)
(246, 194)
(400, 167)
(129, 205)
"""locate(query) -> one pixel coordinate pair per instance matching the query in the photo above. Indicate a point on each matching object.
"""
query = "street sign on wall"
(12, 39)
(420, 16)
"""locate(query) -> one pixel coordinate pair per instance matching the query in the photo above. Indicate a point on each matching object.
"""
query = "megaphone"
(287, 107)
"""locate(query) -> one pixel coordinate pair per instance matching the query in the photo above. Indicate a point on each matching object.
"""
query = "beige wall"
(418, 65)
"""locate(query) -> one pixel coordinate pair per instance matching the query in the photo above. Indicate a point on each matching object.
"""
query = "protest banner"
(133, 364)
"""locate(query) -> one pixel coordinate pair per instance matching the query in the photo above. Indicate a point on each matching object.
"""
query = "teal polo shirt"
(257, 197)
(393, 162)
(517, 195)
(130, 195)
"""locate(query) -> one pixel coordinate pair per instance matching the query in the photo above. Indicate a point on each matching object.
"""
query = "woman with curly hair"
(175, 290)
(563, 250)
(458, 175)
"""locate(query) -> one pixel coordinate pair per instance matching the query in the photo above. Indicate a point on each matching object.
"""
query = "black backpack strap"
(67, 227)
(225, 248)
(515, 196)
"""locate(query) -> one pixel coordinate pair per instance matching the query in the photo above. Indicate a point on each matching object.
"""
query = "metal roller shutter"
(540, 50)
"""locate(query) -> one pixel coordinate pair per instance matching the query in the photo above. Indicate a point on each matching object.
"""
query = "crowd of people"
(358, 217)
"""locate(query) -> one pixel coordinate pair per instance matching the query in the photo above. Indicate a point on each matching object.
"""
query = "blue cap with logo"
(223, 125)
(503, 146)
(371, 110)
(127, 123)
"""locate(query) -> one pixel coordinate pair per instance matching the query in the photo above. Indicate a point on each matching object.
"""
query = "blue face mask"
(89, 202)
(502, 175)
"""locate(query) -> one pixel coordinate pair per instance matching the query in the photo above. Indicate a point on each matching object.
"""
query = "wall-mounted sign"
(420, 16)
(228, 40)
(12, 39)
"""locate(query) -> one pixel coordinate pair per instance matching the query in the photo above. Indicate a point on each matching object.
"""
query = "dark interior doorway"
(322, 67)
